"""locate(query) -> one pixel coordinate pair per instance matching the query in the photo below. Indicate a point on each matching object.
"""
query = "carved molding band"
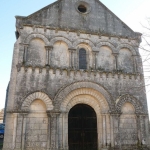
(37, 95)
(128, 98)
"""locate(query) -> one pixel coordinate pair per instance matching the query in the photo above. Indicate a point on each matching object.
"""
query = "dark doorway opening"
(82, 128)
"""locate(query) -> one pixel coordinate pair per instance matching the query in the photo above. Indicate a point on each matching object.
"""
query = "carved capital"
(48, 47)
(95, 53)
(72, 49)
(115, 54)
(53, 114)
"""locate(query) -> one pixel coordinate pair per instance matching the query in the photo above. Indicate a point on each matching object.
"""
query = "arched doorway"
(82, 128)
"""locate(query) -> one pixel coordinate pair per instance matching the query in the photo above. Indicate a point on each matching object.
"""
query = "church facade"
(76, 81)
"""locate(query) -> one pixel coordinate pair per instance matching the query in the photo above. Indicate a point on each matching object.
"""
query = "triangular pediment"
(64, 14)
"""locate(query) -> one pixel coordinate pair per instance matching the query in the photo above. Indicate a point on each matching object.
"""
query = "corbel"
(78, 33)
(33, 69)
(18, 67)
(25, 68)
(47, 69)
(45, 29)
(54, 70)
(40, 69)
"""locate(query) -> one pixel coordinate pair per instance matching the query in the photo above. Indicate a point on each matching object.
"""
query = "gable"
(65, 14)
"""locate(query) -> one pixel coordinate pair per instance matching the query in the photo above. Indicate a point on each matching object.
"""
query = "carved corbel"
(18, 67)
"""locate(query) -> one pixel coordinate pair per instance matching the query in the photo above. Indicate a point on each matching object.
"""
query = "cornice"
(90, 32)
(90, 72)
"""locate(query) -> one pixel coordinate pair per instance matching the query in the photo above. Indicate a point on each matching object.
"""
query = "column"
(119, 132)
(116, 58)
(71, 57)
(139, 129)
(65, 130)
(143, 129)
(25, 53)
(116, 123)
(147, 129)
(49, 131)
(23, 135)
(134, 63)
(104, 130)
(15, 129)
(95, 53)
(48, 54)
(112, 130)
(54, 130)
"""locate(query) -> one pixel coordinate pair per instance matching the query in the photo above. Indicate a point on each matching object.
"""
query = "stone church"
(76, 81)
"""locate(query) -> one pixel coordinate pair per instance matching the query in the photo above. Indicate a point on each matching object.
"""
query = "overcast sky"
(131, 12)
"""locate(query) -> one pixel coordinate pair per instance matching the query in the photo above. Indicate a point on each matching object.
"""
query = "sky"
(131, 12)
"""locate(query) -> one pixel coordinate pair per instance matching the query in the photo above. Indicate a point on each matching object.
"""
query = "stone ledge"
(90, 72)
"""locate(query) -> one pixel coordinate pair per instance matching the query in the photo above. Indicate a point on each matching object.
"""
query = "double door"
(82, 128)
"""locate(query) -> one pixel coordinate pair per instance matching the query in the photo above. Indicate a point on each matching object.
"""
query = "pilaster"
(23, 134)
(54, 130)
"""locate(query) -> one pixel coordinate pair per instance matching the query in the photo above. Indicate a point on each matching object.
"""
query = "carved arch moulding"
(86, 41)
(86, 96)
(110, 45)
(40, 36)
(63, 39)
(37, 95)
(128, 98)
(133, 51)
(65, 91)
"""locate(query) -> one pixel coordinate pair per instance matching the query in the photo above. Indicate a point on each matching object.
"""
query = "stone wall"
(46, 83)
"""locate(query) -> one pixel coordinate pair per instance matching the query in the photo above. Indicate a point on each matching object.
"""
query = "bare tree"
(145, 52)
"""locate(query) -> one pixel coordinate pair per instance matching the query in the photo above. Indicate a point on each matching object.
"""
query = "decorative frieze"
(101, 73)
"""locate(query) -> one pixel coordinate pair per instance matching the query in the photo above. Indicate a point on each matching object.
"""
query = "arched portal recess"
(82, 128)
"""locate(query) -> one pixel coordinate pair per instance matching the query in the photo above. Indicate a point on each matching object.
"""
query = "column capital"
(24, 44)
(53, 113)
(95, 52)
(115, 54)
(48, 47)
(24, 114)
(72, 49)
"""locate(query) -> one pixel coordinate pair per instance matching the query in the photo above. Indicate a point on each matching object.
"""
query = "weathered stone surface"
(46, 81)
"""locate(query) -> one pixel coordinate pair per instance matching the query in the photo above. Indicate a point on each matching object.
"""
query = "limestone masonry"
(76, 81)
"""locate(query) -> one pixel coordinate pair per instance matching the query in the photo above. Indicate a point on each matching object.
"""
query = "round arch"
(64, 92)
(86, 96)
(40, 36)
(128, 98)
(37, 95)
(133, 51)
(111, 46)
(84, 41)
(67, 41)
